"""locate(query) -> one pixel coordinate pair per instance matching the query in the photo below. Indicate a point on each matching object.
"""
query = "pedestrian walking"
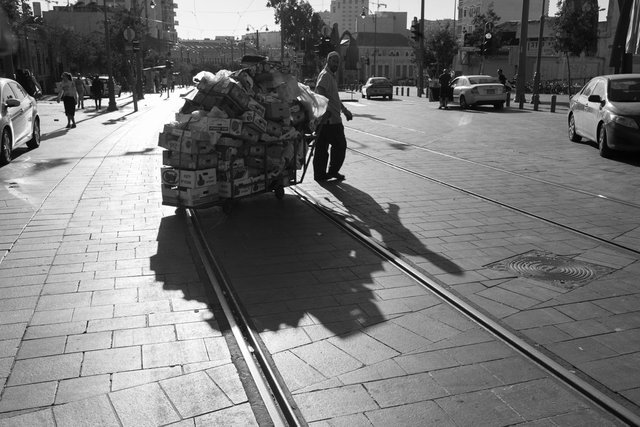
(164, 86)
(96, 91)
(331, 129)
(445, 80)
(69, 97)
(80, 89)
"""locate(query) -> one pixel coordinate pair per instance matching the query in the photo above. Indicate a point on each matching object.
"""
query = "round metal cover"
(560, 270)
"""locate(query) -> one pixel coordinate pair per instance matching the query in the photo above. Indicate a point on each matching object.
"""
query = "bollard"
(536, 102)
(553, 103)
(396, 90)
(407, 91)
(508, 99)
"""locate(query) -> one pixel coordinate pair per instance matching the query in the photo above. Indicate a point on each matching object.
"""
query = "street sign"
(129, 34)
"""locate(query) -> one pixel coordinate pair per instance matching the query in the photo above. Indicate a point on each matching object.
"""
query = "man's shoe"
(337, 176)
(320, 178)
(73, 126)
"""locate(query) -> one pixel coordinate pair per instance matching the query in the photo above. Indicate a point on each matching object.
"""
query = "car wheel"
(390, 97)
(5, 148)
(368, 96)
(463, 103)
(573, 136)
(119, 93)
(605, 151)
(34, 142)
(363, 96)
(498, 105)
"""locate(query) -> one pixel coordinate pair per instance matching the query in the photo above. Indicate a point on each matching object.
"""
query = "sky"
(198, 19)
(209, 18)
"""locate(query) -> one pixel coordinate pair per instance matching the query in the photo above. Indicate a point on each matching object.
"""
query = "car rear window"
(380, 81)
(482, 80)
(624, 90)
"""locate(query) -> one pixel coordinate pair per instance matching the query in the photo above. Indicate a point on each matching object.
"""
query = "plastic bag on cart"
(315, 104)
(205, 80)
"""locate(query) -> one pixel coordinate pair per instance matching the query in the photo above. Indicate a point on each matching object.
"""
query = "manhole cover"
(562, 271)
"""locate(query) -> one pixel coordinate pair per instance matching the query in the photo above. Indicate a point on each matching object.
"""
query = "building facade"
(346, 12)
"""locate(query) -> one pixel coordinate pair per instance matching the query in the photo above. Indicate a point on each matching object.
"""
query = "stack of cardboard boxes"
(232, 138)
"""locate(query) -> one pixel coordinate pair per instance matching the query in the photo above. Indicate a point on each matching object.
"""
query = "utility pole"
(522, 63)
(112, 99)
(421, 51)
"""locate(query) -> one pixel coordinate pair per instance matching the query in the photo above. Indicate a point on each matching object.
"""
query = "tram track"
(590, 236)
(494, 168)
(273, 391)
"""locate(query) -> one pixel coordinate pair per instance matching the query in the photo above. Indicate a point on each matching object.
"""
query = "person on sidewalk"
(330, 128)
(445, 81)
(96, 91)
(80, 89)
(69, 97)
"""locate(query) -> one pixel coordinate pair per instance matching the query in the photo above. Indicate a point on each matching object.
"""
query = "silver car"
(607, 110)
(470, 91)
(19, 120)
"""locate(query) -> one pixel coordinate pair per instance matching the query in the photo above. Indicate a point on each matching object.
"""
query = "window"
(599, 89)
(589, 88)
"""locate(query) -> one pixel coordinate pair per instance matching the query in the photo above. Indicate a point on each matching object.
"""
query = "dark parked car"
(607, 110)
(19, 119)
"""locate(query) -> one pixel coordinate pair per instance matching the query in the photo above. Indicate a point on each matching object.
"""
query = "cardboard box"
(228, 141)
(188, 144)
(189, 197)
(276, 110)
(254, 105)
(234, 90)
(257, 149)
(189, 161)
(225, 165)
(239, 189)
(254, 119)
(231, 127)
(273, 128)
(187, 178)
(250, 134)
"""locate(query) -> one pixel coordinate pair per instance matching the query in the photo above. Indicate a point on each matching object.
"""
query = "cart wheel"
(180, 211)
(227, 206)
(279, 192)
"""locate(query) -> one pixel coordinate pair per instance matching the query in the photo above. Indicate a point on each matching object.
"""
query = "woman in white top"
(69, 97)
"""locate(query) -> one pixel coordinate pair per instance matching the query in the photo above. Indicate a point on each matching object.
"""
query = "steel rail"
(473, 162)
(586, 389)
(499, 203)
(275, 399)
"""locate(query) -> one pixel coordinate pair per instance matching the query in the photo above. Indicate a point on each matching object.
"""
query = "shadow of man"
(386, 226)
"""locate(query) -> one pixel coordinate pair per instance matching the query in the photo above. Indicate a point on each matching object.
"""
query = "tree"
(576, 27)
(441, 46)
(301, 26)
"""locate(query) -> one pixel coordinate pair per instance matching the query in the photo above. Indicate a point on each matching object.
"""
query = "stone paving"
(104, 319)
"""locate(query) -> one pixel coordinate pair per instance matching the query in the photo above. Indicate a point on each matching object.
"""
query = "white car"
(470, 91)
(377, 86)
(19, 119)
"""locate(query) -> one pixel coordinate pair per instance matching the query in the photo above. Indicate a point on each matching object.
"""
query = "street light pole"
(112, 99)
(375, 32)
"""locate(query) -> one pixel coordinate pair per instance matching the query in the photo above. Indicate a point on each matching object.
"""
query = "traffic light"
(368, 61)
(323, 48)
(136, 45)
(486, 41)
(168, 63)
(415, 31)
